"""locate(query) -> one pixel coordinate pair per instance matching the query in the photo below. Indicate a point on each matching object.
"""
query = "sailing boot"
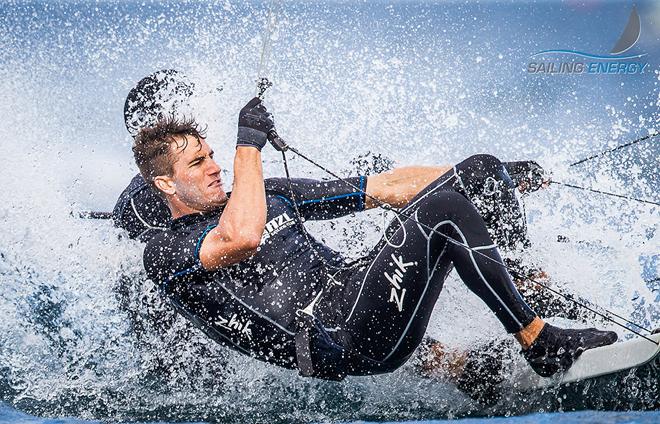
(555, 349)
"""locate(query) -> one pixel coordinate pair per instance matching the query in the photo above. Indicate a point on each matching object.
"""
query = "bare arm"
(398, 186)
(242, 222)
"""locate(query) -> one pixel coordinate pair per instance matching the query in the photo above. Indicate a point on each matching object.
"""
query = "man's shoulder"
(176, 249)
(276, 185)
(140, 211)
(180, 235)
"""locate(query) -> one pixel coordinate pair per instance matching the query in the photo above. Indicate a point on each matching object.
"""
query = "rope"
(299, 216)
(620, 196)
(614, 149)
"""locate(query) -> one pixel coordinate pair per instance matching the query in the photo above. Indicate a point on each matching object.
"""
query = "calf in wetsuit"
(247, 273)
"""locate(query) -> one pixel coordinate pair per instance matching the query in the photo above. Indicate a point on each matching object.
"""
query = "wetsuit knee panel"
(483, 174)
(445, 205)
(481, 161)
(488, 161)
(482, 166)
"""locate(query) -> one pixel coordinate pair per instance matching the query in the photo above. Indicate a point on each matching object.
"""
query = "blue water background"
(467, 60)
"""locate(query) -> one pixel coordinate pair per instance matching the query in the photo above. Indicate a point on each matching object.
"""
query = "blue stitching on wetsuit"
(186, 271)
(199, 242)
(323, 199)
(362, 197)
(287, 200)
(359, 193)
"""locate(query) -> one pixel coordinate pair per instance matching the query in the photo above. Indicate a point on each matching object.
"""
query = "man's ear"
(165, 184)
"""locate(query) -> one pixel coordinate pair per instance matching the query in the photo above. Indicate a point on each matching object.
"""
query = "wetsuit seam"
(287, 200)
(141, 186)
(490, 246)
(429, 276)
(460, 181)
(474, 263)
(362, 193)
(201, 238)
(186, 271)
(322, 199)
(137, 214)
(326, 199)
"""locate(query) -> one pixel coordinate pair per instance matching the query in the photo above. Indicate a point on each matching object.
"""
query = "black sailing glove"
(527, 175)
(254, 122)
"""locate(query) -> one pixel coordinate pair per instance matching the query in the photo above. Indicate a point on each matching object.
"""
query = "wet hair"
(152, 148)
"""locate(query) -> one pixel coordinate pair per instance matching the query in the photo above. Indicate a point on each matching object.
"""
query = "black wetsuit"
(140, 211)
(370, 315)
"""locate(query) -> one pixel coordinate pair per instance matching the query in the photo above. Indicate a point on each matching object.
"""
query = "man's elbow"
(229, 253)
(242, 239)
(249, 244)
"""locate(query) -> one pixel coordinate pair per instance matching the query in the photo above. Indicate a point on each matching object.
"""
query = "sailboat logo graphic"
(628, 39)
(630, 33)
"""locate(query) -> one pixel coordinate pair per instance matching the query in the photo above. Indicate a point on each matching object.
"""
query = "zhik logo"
(395, 278)
(235, 324)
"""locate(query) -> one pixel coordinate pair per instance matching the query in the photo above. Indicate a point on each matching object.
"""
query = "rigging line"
(299, 216)
(585, 304)
(606, 193)
(614, 149)
(265, 49)
(607, 316)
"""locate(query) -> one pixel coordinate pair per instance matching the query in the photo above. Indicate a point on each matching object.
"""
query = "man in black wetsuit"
(244, 269)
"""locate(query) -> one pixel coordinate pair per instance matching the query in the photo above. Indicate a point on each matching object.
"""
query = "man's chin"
(218, 201)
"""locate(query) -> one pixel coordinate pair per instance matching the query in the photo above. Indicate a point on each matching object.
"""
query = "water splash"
(82, 333)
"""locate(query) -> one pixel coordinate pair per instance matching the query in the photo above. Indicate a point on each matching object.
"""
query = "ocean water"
(413, 82)
(582, 417)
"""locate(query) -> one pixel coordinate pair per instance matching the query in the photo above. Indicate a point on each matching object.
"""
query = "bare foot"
(436, 360)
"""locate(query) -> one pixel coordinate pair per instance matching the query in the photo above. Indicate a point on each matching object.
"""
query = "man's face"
(196, 176)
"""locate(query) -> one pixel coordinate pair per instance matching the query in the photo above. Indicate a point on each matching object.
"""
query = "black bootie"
(555, 349)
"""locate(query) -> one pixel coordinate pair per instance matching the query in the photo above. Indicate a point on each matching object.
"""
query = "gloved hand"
(527, 175)
(254, 122)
